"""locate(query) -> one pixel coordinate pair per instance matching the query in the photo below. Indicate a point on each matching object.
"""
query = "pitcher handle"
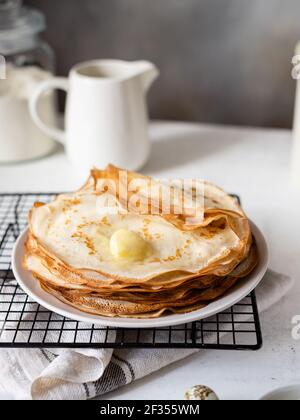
(60, 83)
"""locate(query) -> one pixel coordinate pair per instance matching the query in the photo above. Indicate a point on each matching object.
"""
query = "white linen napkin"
(83, 374)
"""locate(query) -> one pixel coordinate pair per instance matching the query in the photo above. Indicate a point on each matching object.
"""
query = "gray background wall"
(225, 61)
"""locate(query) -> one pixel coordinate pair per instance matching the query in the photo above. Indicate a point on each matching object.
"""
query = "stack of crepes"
(130, 262)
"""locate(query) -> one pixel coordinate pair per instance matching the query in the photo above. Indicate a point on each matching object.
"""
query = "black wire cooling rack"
(25, 324)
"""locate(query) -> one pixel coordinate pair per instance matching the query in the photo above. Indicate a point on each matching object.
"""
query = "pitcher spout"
(148, 73)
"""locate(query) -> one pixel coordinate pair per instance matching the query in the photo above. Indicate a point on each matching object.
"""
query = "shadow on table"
(182, 147)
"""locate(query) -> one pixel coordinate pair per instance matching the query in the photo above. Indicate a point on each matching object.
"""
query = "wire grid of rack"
(26, 324)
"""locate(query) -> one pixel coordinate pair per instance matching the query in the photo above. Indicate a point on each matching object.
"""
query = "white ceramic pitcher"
(106, 117)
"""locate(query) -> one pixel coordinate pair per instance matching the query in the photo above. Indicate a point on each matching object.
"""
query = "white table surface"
(255, 164)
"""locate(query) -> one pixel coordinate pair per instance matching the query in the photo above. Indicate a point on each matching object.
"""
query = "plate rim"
(166, 321)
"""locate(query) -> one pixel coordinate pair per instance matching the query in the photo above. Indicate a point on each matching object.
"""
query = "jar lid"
(18, 23)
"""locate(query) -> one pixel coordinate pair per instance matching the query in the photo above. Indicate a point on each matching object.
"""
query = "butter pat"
(129, 245)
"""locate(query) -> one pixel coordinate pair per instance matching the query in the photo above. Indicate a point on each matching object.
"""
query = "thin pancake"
(185, 265)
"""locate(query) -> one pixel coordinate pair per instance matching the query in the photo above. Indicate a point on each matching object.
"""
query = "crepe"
(72, 229)
(134, 260)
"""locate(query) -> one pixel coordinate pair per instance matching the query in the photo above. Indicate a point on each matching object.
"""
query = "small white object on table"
(254, 163)
(295, 170)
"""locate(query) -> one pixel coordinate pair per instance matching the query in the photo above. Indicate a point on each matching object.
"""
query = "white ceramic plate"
(288, 393)
(235, 295)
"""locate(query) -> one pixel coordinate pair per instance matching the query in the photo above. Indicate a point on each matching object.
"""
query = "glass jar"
(20, 40)
(28, 60)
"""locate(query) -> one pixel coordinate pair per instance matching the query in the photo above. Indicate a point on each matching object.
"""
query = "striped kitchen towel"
(84, 374)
